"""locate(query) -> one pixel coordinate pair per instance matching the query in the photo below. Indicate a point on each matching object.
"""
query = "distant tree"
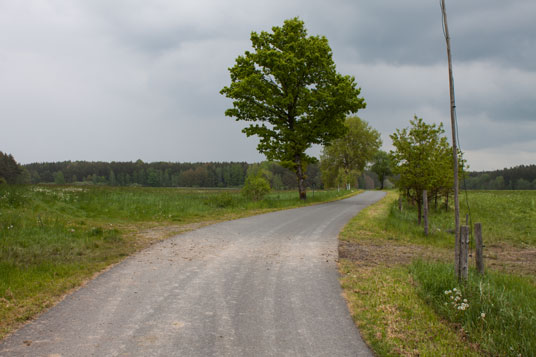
(522, 184)
(369, 182)
(289, 88)
(350, 153)
(236, 174)
(9, 169)
(166, 179)
(59, 179)
(153, 177)
(111, 178)
(24, 177)
(498, 183)
(381, 165)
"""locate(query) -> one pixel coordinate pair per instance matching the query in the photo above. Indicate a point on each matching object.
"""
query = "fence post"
(400, 203)
(457, 248)
(479, 259)
(425, 210)
(464, 245)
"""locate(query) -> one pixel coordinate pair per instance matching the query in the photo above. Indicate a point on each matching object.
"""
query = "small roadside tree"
(288, 87)
(421, 158)
(350, 153)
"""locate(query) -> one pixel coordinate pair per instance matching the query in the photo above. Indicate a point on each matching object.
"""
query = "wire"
(443, 10)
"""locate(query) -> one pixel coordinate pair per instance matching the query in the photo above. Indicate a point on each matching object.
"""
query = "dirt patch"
(510, 259)
(146, 237)
(504, 258)
(385, 253)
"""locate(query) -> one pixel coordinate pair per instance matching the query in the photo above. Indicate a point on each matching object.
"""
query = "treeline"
(10, 171)
(161, 174)
(521, 177)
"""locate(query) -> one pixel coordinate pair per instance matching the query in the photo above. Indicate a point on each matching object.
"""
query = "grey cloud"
(123, 80)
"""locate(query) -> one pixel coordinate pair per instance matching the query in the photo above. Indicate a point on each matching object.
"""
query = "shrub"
(256, 187)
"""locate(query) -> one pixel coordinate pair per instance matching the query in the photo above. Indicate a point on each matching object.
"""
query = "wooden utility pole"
(454, 136)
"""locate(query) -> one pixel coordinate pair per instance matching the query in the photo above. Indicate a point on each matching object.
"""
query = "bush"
(256, 187)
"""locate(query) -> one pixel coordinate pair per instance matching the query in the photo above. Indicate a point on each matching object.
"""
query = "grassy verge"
(497, 311)
(400, 284)
(54, 238)
(391, 316)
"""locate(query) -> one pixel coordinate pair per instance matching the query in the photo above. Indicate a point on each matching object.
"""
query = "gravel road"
(260, 286)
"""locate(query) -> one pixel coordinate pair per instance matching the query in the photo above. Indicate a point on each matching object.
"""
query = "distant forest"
(219, 174)
(521, 177)
(162, 174)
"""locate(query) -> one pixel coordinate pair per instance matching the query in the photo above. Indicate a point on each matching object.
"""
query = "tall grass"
(496, 310)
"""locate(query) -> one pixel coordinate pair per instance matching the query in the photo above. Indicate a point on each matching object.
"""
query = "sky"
(124, 80)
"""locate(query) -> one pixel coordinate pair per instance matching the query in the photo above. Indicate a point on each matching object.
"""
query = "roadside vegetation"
(53, 238)
(403, 292)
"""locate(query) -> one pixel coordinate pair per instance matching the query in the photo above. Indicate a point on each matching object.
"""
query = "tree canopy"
(289, 88)
(346, 157)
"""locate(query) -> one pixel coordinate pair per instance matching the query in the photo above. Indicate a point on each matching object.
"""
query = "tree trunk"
(300, 175)
(381, 182)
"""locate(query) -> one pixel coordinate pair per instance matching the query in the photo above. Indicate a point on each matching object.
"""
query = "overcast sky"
(126, 80)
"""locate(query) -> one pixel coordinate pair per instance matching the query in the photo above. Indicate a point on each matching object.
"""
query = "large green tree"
(349, 154)
(288, 87)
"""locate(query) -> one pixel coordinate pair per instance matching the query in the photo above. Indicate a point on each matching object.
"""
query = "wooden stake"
(464, 245)
(425, 211)
(457, 249)
(479, 259)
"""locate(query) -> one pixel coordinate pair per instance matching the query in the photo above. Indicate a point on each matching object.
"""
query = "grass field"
(53, 238)
(401, 288)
